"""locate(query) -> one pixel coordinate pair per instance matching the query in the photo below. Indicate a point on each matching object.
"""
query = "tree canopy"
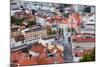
(30, 23)
(50, 32)
(13, 19)
(88, 57)
(19, 21)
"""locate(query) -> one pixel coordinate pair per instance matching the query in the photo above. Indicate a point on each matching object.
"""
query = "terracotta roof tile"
(43, 57)
(64, 21)
(77, 17)
(56, 17)
(50, 20)
(38, 48)
(84, 40)
(41, 61)
(25, 62)
(15, 56)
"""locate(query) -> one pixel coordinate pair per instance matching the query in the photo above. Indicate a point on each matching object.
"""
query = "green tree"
(50, 32)
(71, 30)
(30, 23)
(67, 5)
(13, 19)
(66, 15)
(19, 21)
(88, 57)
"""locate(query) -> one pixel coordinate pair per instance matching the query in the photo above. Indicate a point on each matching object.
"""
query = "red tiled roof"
(20, 59)
(41, 61)
(59, 59)
(25, 62)
(42, 55)
(64, 21)
(15, 56)
(49, 20)
(43, 58)
(84, 34)
(77, 38)
(77, 17)
(83, 40)
(50, 60)
(56, 17)
(38, 48)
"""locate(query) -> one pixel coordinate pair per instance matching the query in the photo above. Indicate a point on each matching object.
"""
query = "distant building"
(81, 43)
(88, 23)
(41, 20)
(17, 41)
(36, 6)
(15, 5)
(15, 31)
(88, 29)
(75, 20)
(47, 40)
(32, 35)
(84, 8)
